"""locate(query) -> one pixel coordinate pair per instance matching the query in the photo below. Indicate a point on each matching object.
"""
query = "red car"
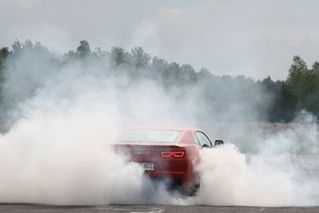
(167, 154)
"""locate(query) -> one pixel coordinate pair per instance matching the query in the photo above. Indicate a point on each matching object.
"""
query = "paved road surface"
(19, 208)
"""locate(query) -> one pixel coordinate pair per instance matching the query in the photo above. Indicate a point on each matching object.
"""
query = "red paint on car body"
(176, 160)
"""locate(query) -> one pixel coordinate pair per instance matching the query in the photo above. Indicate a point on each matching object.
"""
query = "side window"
(196, 140)
(203, 139)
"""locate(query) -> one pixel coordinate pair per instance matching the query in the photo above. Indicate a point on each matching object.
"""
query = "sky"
(256, 38)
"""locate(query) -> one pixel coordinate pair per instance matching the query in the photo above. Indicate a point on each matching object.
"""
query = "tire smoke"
(64, 119)
(282, 171)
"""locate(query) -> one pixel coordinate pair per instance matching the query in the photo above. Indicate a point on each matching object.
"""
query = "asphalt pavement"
(19, 208)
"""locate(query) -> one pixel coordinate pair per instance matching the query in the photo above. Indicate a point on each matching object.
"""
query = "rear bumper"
(171, 174)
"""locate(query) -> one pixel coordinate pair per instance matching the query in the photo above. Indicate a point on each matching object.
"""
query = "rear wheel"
(191, 190)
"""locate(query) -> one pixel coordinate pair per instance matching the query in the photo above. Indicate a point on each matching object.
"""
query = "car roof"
(184, 129)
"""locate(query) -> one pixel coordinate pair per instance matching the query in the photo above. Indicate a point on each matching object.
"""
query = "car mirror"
(218, 142)
(205, 146)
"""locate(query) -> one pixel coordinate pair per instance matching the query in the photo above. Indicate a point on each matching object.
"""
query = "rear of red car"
(164, 154)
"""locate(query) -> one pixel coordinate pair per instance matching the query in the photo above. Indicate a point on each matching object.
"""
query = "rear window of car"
(150, 136)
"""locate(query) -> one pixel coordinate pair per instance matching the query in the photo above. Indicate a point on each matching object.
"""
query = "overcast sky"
(256, 38)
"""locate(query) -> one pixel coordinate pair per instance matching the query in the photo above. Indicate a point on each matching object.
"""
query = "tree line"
(277, 101)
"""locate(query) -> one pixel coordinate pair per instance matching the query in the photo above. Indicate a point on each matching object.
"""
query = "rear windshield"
(150, 136)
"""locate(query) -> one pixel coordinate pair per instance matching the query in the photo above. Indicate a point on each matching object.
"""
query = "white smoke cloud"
(59, 150)
(65, 119)
(280, 171)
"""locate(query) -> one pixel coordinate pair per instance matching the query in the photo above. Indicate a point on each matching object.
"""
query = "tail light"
(174, 154)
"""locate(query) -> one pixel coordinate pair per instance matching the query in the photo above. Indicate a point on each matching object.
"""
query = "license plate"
(147, 166)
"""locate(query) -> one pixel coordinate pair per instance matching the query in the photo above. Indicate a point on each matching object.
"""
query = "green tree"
(119, 56)
(311, 101)
(303, 83)
(296, 81)
(140, 58)
(84, 49)
(16, 47)
(188, 73)
(284, 104)
(4, 53)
